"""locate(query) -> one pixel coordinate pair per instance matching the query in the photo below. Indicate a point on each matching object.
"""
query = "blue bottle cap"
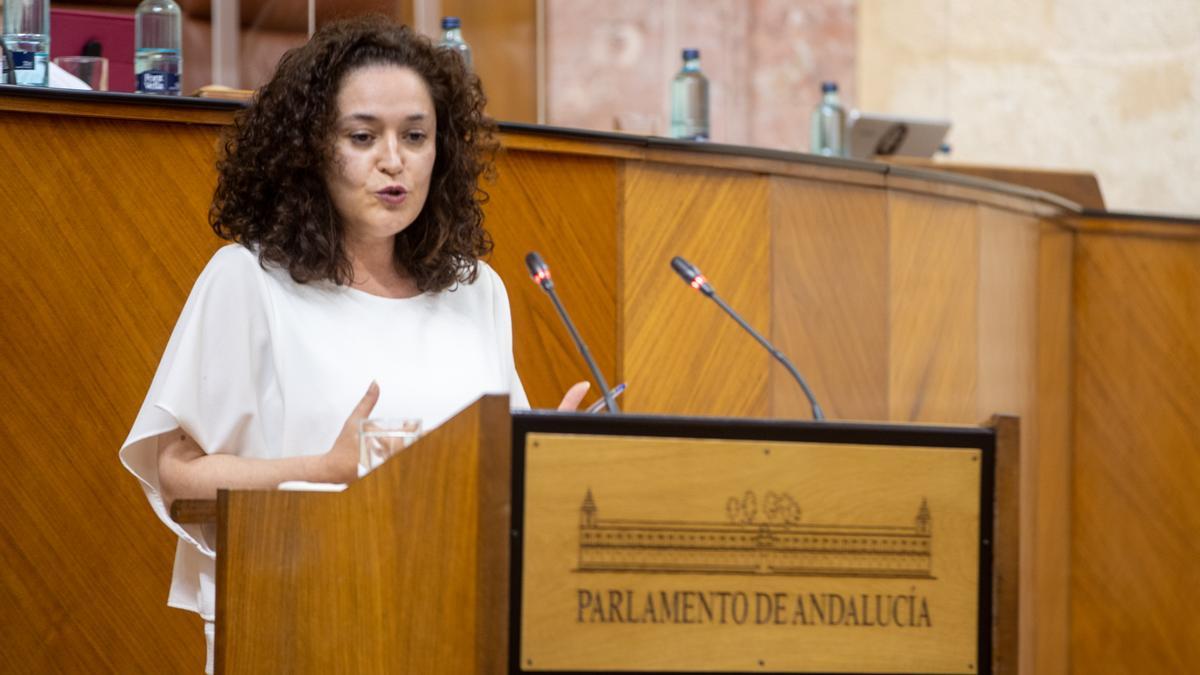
(827, 87)
(449, 22)
(689, 54)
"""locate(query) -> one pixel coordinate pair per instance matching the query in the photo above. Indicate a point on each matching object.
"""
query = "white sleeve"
(503, 321)
(213, 376)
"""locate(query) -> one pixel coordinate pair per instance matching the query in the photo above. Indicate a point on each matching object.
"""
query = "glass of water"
(380, 438)
(91, 70)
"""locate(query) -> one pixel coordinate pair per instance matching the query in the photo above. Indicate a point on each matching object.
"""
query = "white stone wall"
(1109, 86)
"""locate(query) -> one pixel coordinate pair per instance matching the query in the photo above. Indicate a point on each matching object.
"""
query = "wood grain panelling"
(1006, 563)
(1135, 503)
(934, 326)
(1052, 453)
(104, 232)
(566, 208)
(384, 577)
(1007, 313)
(681, 353)
(829, 262)
(1020, 200)
(202, 112)
(1141, 227)
(1008, 254)
(900, 297)
(1080, 187)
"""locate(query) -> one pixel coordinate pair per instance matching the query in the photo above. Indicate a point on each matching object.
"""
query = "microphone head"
(538, 269)
(691, 275)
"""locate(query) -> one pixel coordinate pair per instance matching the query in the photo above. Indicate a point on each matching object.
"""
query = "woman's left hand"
(574, 396)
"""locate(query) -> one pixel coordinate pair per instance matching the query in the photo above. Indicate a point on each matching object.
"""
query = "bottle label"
(24, 60)
(158, 82)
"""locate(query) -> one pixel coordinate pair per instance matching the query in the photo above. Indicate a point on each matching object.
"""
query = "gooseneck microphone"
(541, 276)
(698, 281)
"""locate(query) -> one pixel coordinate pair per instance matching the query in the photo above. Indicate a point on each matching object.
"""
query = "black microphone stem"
(816, 407)
(587, 356)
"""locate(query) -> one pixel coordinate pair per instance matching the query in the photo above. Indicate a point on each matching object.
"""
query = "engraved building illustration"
(772, 541)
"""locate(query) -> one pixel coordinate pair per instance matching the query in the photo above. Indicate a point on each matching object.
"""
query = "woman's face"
(383, 151)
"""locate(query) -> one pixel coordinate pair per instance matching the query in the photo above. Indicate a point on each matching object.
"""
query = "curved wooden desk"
(903, 294)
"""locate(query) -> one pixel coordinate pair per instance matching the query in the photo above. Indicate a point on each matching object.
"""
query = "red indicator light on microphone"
(542, 275)
(699, 281)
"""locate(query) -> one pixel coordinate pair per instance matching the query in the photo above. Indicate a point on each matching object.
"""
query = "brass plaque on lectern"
(659, 554)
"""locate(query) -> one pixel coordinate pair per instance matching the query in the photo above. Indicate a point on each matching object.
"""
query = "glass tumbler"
(380, 438)
(93, 70)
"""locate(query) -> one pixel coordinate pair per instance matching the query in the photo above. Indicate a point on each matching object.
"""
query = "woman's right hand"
(186, 471)
(340, 463)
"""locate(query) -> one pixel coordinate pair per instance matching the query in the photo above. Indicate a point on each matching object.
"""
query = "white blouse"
(260, 366)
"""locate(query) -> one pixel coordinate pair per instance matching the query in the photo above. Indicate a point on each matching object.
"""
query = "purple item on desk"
(71, 29)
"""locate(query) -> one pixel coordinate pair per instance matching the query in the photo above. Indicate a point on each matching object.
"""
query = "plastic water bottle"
(27, 40)
(829, 124)
(689, 100)
(452, 38)
(158, 54)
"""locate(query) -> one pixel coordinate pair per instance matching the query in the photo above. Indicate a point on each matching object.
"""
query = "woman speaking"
(353, 286)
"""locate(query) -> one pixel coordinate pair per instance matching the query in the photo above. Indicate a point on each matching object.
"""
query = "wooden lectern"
(561, 542)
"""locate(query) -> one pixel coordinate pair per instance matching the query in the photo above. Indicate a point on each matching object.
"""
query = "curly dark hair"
(271, 193)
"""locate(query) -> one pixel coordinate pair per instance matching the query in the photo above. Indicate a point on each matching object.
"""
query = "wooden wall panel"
(1081, 187)
(1051, 456)
(565, 207)
(1007, 313)
(104, 232)
(1136, 459)
(934, 284)
(681, 353)
(1008, 255)
(829, 266)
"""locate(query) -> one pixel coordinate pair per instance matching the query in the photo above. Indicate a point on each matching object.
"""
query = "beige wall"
(1110, 86)
(765, 60)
